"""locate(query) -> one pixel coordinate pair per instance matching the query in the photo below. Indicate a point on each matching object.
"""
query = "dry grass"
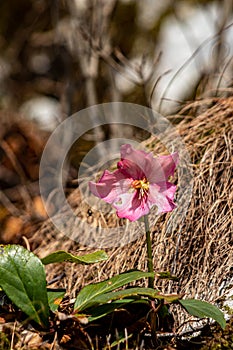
(199, 250)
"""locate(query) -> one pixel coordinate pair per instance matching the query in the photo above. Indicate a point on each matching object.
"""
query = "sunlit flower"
(139, 183)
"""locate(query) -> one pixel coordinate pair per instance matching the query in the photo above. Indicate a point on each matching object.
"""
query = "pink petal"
(110, 186)
(162, 167)
(134, 163)
(116, 188)
(162, 195)
(129, 206)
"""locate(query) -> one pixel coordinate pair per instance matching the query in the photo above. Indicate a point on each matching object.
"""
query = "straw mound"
(198, 251)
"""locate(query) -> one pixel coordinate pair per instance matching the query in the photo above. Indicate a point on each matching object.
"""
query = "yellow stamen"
(141, 185)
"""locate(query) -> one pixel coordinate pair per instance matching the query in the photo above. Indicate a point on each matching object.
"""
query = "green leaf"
(55, 297)
(166, 275)
(103, 310)
(22, 277)
(86, 296)
(62, 255)
(132, 295)
(118, 300)
(133, 292)
(202, 309)
(120, 341)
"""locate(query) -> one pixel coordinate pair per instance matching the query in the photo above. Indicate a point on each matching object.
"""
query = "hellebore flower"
(139, 183)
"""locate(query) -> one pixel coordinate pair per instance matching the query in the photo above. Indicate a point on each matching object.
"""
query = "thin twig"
(9, 205)
(18, 168)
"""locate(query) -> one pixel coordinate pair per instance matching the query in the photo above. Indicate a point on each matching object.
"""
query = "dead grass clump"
(198, 251)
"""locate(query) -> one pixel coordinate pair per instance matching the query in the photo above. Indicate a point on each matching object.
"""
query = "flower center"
(141, 185)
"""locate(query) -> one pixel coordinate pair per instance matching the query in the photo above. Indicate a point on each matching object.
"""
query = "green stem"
(149, 252)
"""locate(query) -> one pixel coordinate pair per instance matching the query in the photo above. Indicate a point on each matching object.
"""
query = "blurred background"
(60, 56)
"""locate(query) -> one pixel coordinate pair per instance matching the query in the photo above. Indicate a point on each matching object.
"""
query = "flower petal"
(131, 199)
(162, 167)
(134, 163)
(110, 186)
(162, 195)
(129, 206)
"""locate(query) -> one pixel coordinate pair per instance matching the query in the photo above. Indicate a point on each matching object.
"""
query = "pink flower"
(139, 183)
